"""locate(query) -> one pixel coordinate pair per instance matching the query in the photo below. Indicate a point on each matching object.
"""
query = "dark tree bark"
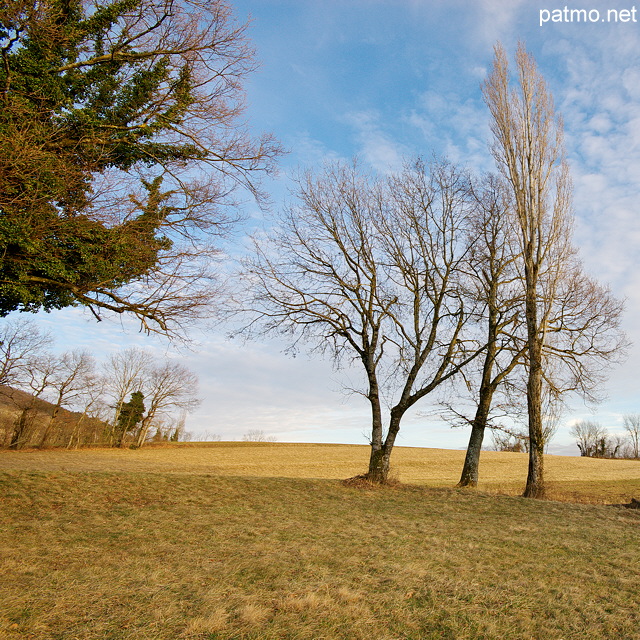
(535, 487)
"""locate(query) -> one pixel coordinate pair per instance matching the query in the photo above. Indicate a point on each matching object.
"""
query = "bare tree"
(371, 271)
(38, 373)
(124, 373)
(72, 376)
(569, 318)
(509, 440)
(632, 427)
(591, 438)
(257, 435)
(89, 428)
(167, 387)
(528, 149)
(491, 264)
(20, 341)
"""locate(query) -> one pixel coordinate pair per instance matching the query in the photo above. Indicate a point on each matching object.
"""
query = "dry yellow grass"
(162, 556)
(257, 541)
(569, 478)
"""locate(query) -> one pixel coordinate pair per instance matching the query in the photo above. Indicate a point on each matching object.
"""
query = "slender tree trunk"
(469, 477)
(47, 429)
(75, 432)
(20, 429)
(535, 477)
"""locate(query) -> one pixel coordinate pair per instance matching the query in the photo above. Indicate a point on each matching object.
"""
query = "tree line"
(594, 440)
(123, 142)
(129, 399)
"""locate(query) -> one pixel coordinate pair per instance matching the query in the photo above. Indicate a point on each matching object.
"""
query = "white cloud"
(454, 127)
(376, 147)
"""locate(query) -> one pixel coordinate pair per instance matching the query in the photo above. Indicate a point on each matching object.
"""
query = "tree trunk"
(378, 469)
(379, 464)
(144, 429)
(47, 429)
(469, 477)
(535, 477)
(20, 429)
(75, 432)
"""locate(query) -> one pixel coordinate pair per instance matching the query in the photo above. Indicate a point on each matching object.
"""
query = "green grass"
(155, 556)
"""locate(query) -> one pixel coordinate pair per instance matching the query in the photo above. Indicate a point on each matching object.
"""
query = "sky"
(386, 80)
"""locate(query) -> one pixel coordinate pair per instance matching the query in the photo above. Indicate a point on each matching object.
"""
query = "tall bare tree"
(94, 414)
(73, 373)
(168, 387)
(371, 271)
(20, 341)
(529, 151)
(632, 427)
(38, 373)
(124, 373)
(492, 287)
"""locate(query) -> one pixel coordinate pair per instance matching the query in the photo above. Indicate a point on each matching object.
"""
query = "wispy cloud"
(374, 145)
(454, 127)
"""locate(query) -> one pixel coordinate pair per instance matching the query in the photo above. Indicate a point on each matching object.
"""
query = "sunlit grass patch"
(569, 478)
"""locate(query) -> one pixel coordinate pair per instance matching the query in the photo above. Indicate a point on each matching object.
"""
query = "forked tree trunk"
(144, 429)
(380, 461)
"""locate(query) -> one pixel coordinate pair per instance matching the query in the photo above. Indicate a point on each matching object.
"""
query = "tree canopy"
(121, 142)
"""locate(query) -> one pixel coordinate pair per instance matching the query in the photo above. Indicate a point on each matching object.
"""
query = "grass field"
(570, 478)
(240, 541)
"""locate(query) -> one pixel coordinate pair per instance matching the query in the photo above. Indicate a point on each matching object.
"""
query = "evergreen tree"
(130, 415)
(119, 145)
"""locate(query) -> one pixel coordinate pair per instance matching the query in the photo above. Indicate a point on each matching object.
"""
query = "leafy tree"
(131, 414)
(120, 145)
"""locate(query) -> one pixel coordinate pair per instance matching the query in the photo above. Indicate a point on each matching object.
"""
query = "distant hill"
(68, 429)
(15, 400)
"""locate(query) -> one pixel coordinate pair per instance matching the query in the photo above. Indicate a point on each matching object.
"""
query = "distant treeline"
(69, 400)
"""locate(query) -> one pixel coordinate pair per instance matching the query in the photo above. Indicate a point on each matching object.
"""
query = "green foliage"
(116, 88)
(131, 414)
(71, 122)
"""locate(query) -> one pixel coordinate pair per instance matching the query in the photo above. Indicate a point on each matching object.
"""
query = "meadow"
(265, 541)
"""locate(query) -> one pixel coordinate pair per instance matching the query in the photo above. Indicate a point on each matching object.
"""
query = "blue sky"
(387, 79)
